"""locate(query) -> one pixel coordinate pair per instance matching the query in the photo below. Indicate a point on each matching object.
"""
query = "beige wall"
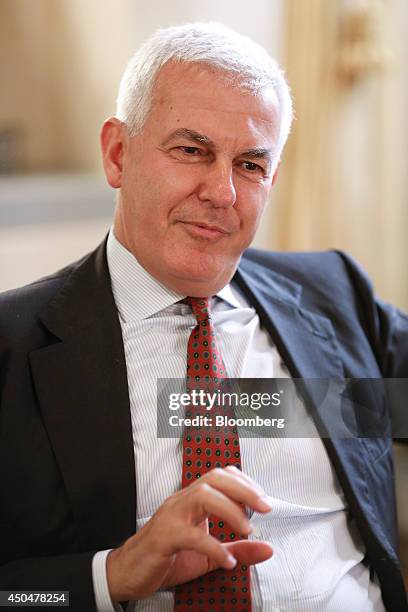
(60, 61)
(27, 75)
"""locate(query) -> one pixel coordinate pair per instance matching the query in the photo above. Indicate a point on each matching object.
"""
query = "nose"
(217, 185)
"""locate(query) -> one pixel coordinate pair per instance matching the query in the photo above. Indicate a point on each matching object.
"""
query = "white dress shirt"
(317, 561)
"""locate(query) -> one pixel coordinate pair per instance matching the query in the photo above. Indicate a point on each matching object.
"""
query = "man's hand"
(174, 546)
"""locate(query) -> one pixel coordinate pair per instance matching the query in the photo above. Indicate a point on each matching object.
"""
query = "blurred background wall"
(343, 181)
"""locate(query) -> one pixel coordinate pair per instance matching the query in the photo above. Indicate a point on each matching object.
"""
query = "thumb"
(250, 552)
(246, 551)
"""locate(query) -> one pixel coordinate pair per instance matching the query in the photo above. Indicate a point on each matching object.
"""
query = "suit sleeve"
(394, 326)
(71, 573)
(387, 329)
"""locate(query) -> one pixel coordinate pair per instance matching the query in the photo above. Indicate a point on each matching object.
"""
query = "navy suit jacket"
(66, 452)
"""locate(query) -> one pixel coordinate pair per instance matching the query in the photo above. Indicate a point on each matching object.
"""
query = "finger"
(240, 474)
(267, 502)
(195, 539)
(209, 500)
(240, 489)
(204, 525)
(265, 498)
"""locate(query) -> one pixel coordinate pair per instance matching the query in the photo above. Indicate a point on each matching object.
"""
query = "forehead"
(195, 96)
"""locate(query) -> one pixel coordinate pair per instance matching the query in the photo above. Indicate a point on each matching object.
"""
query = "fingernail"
(231, 561)
(266, 501)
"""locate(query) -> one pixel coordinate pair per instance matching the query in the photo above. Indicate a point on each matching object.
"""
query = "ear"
(276, 173)
(113, 135)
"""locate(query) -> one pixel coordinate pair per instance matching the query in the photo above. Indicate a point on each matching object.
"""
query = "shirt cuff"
(103, 599)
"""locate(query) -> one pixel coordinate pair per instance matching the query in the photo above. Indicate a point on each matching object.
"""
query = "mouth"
(204, 230)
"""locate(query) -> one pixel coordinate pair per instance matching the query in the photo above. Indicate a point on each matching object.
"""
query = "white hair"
(243, 63)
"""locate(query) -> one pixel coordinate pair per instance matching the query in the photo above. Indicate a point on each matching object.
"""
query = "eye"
(252, 167)
(192, 151)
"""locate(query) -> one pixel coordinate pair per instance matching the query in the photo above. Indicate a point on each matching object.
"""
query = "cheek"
(166, 184)
(151, 209)
(250, 207)
(179, 181)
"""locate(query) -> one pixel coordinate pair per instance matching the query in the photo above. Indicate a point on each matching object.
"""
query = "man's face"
(194, 182)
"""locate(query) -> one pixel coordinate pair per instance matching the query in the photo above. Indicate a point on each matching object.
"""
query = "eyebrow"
(193, 136)
(258, 153)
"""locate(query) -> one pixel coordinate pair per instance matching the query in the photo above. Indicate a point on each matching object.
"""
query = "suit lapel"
(308, 346)
(81, 384)
(307, 343)
(305, 340)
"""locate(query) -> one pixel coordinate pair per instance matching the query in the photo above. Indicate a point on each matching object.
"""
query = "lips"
(207, 226)
(207, 231)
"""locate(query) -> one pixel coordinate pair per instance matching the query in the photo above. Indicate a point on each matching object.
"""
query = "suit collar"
(305, 339)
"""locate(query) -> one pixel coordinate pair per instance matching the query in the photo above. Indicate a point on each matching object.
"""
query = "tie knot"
(200, 307)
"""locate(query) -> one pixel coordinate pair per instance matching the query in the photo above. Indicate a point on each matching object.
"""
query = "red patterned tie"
(220, 590)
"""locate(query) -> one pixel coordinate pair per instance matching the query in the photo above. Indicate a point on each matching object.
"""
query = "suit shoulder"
(268, 258)
(19, 307)
(322, 274)
(301, 264)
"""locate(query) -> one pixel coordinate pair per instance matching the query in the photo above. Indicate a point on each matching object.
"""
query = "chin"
(199, 267)
(202, 275)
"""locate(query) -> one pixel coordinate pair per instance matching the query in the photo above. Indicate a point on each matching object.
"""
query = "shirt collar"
(138, 295)
(229, 295)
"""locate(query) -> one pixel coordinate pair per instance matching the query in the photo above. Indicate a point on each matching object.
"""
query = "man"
(93, 501)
